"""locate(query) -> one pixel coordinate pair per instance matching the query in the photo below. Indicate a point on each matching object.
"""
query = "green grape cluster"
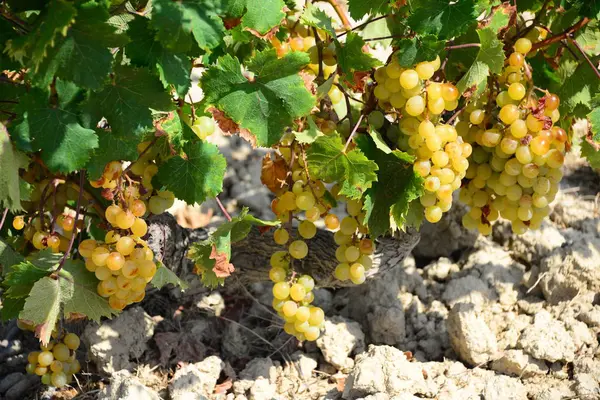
(441, 155)
(514, 169)
(56, 362)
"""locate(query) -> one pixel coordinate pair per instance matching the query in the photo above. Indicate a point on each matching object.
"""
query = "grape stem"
(385, 37)
(352, 133)
(75, 228)
(223, 209)
(3, 217)
(583, 53)
(455, 115)
(564, 35)
(340, 12)
(462, 46)
(363, 25)
(319, 44)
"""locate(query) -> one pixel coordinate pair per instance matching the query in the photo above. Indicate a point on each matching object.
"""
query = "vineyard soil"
(500, 318)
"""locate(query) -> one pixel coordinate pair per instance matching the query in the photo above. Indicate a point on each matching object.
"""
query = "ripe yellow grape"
(146, 268)
(516, 91)
(393, 70)
(307, 229)
(534, 124)
(348, 226)
(335, 94)
(18, 222)
(477, 117)
(61, 352)
(138, 208)
(279, 259)
(307, 281)
(302, 314)
(449, 92)
(312, 333)
(357, 270)
(342, 272)
(381, 92)
(297, 292)
(298, 249)
(415, 105)
(129, 269)
(99, 255)
(125, 219)
(425, 70)
(352, 253)
(281, 236)
(289, 308)
(332, 222)
(516, 59)
(281, 290)
(115, 261)
(45, 358)
(433, 214)
(125, 245)
(436, 106)
(111, 214)
(523, 45)
(409, 79)
(509, 114)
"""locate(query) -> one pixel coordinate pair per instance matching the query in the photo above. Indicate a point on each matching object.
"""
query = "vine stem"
(585, 56)
(363, 25)
(455, 115)
(462, 46)
(564, 35)
(341, 13)
(75, 229)
(222, 207)
(353, 133)
(3, 217)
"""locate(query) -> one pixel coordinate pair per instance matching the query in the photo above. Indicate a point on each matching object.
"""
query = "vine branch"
(222, 207)
(340, 12)
(462, 46)
(353, 133)
(583, 53)
(3, 217)
(563, 35)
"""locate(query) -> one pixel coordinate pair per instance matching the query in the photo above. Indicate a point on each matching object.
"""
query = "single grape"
(433, 214)
(342, 272)
(523, 45)
(298, 249)
(281, 236)
(18, 222)
(409, 79)
(307, 229)
(281, 290)
(312, 333)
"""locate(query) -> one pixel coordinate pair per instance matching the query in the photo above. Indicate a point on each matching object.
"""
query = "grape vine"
(374, 114)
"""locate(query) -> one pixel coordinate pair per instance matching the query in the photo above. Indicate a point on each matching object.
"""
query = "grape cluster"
(517, 154)
(355, 249)
(55, 363)
(123, 262)
(441, 155)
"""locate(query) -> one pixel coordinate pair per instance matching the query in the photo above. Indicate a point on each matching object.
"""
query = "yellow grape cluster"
(355, 249)
(517, 153)
(441, 155)
(123, 262)
(55, 363)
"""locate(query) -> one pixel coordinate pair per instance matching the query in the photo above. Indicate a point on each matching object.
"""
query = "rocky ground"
(466, 317)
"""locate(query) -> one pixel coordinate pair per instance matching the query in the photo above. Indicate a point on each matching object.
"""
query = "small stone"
(581, 334)
(258, 368)
(502, 387)
(470, 336)
(112, 344)
(468, 289)
(518, 363)
(124, 386)
(212, 302)
(534, 245)
(195, 380)
(440, 269)
(591, 317)
(305, 363)
(340, 338)
(384, 369)
(547, 339)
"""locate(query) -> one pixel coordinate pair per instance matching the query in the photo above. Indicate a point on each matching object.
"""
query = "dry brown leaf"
(223, 268)
(274, 173)
(230, 127)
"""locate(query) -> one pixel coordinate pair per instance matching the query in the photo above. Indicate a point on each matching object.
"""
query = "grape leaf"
(379, 141)
(65, 145)
(126, 103)
(21, 278)
(179, 133)
(414, 217)
(317, 18)
(11, 308)
(309, 135)
(144, 50)
(84, 55)
(501, 18)
(180, 24)
(7, 33)
(490, 58)
(259, 16)
(54, 20)
(589, 40)
(351, 57)
(590, 153)
(10, 162)
(110, 148)
(418, 49)
(84, 298)
(327, 161)
(359, 8)
(594, 119)
(8, 257)
(268, 102)
(443, 18)
(579, 88)
(42, 306)
(396, 186)
(197, 176)
(165, 276)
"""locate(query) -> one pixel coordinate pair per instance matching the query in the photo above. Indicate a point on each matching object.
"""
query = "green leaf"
(21, 277)
(379, 141)
(182, 24)
(397, 185)
(111, 148)
(165, 276)
(126, 103)
(351, 57)
(418, 49)
(443, 18)
(309, 135)
(589, 40)
(327, 161)
(8, 257)
(84, 55)
(500, 19)
(260, 16)
(179, 133)
(144, 50)
(52, 22)
(196, 177)
(265, 104)
(359, 8)
(7, 32)
(579, 88)
(591, 154)
(65, 145)
(84, 298)
(415, 215)
(11, 308)
(594, 119)
(317, 18)
(489, 59)
(10, 162)
(42, 306)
